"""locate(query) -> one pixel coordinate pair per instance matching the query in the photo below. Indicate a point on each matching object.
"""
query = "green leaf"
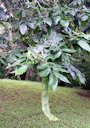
(60, 69)
(45, 72)
(29, 56)
(2, 61)
(83, 44)
(21, 70)
(50, 57)
(48, 21)
(24, 13)
(69, 50)
(84, 18)
(61, 77)
(83, 35)
(58, 54)
(57, 19)
(64, 23)
(87, 36)
(2, 29)
(31, 25)
(53, 81)
(57, 67)
(81, 77)
(23, 28)
(42, 66)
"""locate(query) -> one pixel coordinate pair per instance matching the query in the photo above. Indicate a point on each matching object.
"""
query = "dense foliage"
(50, 36)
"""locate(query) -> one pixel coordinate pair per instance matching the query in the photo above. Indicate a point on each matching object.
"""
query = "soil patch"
(85, 93)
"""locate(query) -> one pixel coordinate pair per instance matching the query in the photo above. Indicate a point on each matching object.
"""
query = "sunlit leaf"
(64, 23)
(42, 66)
(69, 50)
(81, 77)
(58, 54)
(44, 72)
(48, 21)
(84, 18)
(53, 81)
(21, 70)
(61, 77)
(23, 28)
(31, 25)
(57, 19)
(87, 36)
(83, 44)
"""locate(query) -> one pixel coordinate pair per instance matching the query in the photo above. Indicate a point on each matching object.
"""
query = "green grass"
(20, 106)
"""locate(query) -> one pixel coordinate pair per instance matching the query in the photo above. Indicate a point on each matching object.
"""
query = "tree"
(54, 34)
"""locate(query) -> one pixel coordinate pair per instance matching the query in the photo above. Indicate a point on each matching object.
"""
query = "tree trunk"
(45, 102)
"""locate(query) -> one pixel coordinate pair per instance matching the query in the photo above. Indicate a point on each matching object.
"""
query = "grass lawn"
(20, 106)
